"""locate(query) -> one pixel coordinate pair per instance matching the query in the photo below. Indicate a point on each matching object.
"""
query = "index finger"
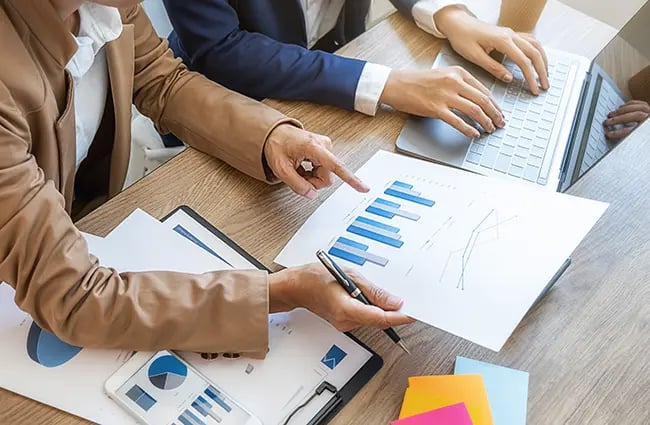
(521, 60)
(324, 158)
(536, 57)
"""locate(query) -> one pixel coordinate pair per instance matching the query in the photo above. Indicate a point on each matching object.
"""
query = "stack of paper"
(478, 394)
(140, 243)
(299, 342)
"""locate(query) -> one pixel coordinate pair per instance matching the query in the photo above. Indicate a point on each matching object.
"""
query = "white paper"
(141, 243)
(271, 389)
(474, 262)
(212, 242)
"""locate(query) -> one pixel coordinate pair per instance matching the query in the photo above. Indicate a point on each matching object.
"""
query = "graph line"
(471, 244)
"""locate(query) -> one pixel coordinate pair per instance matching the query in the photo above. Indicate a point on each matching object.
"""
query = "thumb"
(297, 183)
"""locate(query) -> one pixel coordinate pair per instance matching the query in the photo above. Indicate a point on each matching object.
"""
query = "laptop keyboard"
(608, 100)
(522, 149)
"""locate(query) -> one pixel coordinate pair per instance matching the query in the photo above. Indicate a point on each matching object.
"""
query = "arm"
(64, 289)
(255, 64)
(207, 116)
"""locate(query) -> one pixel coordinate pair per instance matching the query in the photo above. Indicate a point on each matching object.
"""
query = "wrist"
(281, 288)
(389, 96)
(450, 17)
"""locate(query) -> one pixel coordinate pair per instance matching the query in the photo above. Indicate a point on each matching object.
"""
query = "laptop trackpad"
(433, 139)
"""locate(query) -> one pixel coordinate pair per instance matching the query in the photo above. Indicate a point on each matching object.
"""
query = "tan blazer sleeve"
(44, 257)
(205, 115)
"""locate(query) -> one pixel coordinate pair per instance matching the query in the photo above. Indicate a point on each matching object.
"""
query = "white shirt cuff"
(371, 85)
(424, 10)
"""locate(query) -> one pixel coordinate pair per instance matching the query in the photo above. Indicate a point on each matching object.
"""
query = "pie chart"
(48, 350)
(167, 373)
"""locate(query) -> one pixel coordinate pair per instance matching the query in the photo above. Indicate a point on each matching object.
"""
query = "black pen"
(352, 289)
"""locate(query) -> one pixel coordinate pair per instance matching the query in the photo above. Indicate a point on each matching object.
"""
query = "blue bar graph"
(355, 252)
(215, 395)
(200, 408)
(189, 415)
(388, 209)
(184, 421)
(377, 224)
(405, 191)
(376, 233)
(204, 407)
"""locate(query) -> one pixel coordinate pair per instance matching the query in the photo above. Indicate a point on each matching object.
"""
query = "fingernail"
(394, 301)
(311, 194)
(507, 77)
(475, 133)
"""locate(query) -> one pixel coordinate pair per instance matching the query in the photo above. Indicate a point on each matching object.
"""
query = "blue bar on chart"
(376, 231)
(389, 209)
(355, 252)
(141, 398)
(189, 418)
(215, 395)
(405, 191)
(204, 407)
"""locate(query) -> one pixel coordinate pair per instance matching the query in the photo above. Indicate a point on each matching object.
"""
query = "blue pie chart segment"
(48, 350)
(167, 373)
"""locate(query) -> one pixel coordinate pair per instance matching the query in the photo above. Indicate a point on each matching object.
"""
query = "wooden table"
(586, 346)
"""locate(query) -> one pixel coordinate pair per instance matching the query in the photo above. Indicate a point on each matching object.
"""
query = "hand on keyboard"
(625, 119)
(436, 93)
(475, 40)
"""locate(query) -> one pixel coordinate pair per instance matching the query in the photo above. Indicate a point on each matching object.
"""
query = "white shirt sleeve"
(371, 85)
(424, 10)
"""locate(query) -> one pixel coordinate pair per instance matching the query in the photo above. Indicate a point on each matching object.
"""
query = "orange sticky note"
(426, 393)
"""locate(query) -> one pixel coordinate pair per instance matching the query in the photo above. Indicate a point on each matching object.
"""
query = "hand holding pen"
(356, 293)
(313, 287)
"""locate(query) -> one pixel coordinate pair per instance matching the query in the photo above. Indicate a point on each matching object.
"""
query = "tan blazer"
(42, 254)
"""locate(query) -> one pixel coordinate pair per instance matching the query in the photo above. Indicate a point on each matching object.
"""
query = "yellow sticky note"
(426, 393)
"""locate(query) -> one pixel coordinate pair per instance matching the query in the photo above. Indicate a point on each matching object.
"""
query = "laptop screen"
(620, 73)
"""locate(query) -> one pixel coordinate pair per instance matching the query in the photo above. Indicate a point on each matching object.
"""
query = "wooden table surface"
(586, 346)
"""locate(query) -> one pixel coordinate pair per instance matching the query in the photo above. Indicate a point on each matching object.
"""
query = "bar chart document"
(468, 254)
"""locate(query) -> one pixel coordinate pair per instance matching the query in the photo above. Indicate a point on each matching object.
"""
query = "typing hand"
(475, 40)
(436, 93)
(312, 287)
(630, 116)
(288, 148)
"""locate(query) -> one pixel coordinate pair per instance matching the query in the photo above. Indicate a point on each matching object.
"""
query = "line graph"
(489, 229)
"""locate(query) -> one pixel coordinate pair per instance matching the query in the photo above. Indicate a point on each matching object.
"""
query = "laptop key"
(476, 148)
(534, 161)
(531, 173)
(518, 161)
(510, 150)
(496, 142)
(503, 162)
(515, 171)
(473, 157)
(489, 156)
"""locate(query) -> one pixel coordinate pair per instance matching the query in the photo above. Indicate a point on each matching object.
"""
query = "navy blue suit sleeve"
(405, 7)
(208, 37)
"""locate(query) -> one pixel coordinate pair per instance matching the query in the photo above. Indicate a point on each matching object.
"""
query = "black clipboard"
(355, 384)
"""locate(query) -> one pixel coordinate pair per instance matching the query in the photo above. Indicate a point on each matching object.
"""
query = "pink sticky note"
(456, 414)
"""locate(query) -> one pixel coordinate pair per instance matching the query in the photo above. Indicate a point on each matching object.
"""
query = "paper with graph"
(468, 254)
